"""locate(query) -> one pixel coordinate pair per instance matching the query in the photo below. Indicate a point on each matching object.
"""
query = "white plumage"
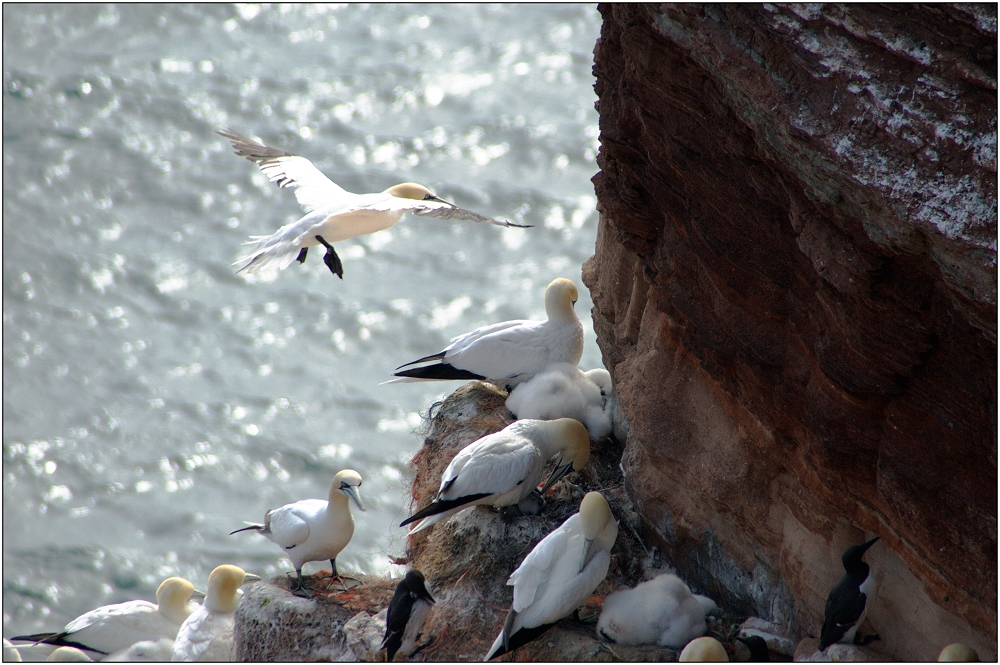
(332, 213)
(510, 352)
(503, 468)
(313, 529)
(660, 611)
(147, 651)
(207, 635)
(559, 574)
(561, 390)
(113, 627)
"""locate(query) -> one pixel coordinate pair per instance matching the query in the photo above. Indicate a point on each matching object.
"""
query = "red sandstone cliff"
(795, 291)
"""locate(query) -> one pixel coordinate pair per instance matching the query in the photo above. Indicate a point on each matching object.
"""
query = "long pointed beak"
(588, 546)
(198, 595)
(356, 497)
(557, 474)
(250, 577)
(440, 200)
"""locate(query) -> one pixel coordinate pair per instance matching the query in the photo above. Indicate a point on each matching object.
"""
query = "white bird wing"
(439, 209)
(194, 637)
(505, 353)
(312, 189)
(289, 525)
(495, 464)
(549, 585)
(116, 626)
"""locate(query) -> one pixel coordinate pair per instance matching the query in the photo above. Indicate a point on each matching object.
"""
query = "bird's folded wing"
(534, 572)
(312, 189)
(112, 616)
(288, 528)
(503, 354)
(492, 471)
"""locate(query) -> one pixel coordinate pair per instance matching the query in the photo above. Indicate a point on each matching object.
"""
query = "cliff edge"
(795, 291)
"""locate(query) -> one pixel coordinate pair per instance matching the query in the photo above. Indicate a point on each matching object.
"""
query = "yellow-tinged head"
(704, 650)
(223, 583)
(411, 190)
(172, 598)
(958, 653)
(347, 483)
(560, 296)
(577, 442)
(595, 514)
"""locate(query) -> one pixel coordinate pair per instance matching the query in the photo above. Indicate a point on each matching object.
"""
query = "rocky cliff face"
(795, 291)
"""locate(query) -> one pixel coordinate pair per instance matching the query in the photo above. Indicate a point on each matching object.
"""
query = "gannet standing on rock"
(112, 627)
(207, 635)
(661, 611)
(561, 390)
(559, 574)
(847, 604)
(504, 468)
(313, 529)
(510, 352)
(332, 213)
(408, 609)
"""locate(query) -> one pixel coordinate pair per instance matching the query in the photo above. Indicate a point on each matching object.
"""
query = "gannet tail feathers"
(250, 526)
(441, 372)
(57, 640)
(515, 641)
(443, 506)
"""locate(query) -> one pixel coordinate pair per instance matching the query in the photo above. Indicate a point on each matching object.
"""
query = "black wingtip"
(442, 506)
(440, 372)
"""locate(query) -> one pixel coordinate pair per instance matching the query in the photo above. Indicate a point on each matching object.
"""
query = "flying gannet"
(313, 529)
(113, 627)
(408, 610)
(504, 468)
(559, 574)
(207, 635)
(510, 352)
(332, 213)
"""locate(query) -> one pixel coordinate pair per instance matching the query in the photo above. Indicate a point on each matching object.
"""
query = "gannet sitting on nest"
(660, 611)
(510, 352)
(207, 635)
(109, 628)
(313, 529)
(332, 213)
(504, 468)
(559, 574)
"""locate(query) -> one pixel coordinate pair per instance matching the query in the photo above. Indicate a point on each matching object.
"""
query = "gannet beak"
(250, 577)
(562, 468)
(587, 548)
(440, 200)
(198, 595)
(353, 493)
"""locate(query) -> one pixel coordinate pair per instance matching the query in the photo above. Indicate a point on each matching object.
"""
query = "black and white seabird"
(408, 609)
(847, 604)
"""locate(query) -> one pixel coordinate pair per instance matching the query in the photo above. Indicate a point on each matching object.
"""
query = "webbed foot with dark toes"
(301, 588)
(422, 646)
(331, 259)
(301, 258)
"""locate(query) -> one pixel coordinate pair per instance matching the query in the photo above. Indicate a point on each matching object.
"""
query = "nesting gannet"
(846, 605)
(408, 610)
(207, 635)
(660, 611)
(509, 352)
(504, 468)
(332, 213)
(147, 651)
(559, 574)
(958, 653)
(561, 390)
(704, 650)
(313, 529)
(113, 627)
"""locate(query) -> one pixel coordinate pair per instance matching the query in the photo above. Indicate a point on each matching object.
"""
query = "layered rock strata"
(794, 289)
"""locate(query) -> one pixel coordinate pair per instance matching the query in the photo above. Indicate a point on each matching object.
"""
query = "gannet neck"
(172, 598)
(411, 190)
(560, 296)
(222, 586)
